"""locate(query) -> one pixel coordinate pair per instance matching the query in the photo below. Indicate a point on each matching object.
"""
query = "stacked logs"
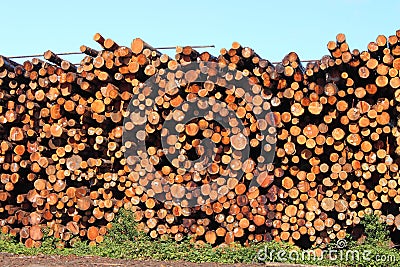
(332, 125)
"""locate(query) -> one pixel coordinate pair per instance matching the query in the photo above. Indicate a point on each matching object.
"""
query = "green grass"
(125, 241)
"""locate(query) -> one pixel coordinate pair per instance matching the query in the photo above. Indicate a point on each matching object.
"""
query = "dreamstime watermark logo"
(340, 252)
(341, 243)
(194, 131)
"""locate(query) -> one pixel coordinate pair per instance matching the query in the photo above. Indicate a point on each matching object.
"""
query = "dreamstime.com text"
(333, 254)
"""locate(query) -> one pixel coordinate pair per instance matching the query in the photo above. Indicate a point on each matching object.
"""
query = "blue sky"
(272, 28)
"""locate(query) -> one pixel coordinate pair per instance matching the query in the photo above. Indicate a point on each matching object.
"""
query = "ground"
(7, 259)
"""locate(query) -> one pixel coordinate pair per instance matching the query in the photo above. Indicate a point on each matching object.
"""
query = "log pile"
(332, 126)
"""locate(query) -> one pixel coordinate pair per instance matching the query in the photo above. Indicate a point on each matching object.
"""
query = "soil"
(7, 259)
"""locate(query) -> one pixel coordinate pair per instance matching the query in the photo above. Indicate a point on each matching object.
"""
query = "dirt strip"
(8, 260)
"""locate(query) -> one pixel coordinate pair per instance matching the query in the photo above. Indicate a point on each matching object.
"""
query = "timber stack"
(335, 140)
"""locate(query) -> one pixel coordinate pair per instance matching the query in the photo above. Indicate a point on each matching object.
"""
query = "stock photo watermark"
(338, 253)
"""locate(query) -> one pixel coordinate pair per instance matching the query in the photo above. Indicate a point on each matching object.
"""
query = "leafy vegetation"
(376, 231)
(125, 241)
